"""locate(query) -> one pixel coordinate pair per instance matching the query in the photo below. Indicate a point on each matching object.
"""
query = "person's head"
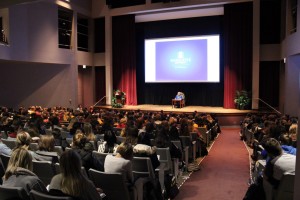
(110, 137)
(144, 138)
(47, 143)
(87, 128)
(79, 140)
(273, 148)
(56, 133)
(20, 157)
(125, 150)
(72, 177)
(284, 139)
(23, 139)
(70, 163)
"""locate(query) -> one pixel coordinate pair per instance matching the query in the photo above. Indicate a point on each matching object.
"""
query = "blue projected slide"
(187, 59)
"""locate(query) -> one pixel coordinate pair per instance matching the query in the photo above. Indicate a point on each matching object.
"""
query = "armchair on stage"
(179, 100)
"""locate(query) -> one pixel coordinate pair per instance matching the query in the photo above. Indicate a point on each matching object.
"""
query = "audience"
(46, 148)
(86, 126)
(121, 162)
(19, 172)
(84, 148)
(71, 181)
(110, 143)
(143, 149)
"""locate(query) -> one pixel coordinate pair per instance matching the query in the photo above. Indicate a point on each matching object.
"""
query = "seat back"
(35, 195)
(13, 193)
(285, 190)
(165, 157)
(120, 139)
(11, 143)
(100, 158)
(5, 160)
(142, 167)
(112, 184)
(204, 134)
(187, 142)
(69, 140)
(44, 170)
(33, 146)
(4, 135)
(57, 169)
(59, 150)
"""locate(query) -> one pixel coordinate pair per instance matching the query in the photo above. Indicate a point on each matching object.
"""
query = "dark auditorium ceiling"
(6, 3)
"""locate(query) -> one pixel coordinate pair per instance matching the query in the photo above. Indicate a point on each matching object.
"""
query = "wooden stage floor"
(226, 117)
(187, 109)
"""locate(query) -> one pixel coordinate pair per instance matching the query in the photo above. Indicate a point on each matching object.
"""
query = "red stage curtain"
(124, 56)
(237, 50)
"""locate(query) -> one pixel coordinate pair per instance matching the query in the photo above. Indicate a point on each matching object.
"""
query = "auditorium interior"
(78, 52)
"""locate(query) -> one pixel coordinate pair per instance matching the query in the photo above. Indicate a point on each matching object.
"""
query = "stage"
(226, 117)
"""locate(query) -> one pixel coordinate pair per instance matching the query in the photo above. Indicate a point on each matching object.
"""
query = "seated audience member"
(132, 135)
(278, 164)
(144, 149)
(71, 181)
(19, 172)
(88, 131)
(286, 144)
(84, 148)
(59, 141)
(122, 123)
(5, 149)
(110, 143)
(121, 162)
(23, 140)
(46, 148)
(162, 140)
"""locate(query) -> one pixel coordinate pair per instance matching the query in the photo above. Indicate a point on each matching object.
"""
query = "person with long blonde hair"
(19, 172)
(71, 181)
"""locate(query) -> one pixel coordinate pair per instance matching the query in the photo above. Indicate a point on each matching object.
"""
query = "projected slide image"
(181, 60)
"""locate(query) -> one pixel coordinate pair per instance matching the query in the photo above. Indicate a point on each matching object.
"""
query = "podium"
(178, 101)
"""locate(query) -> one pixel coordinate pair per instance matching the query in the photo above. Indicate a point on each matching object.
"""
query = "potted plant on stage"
(242, 99)
(118, 99)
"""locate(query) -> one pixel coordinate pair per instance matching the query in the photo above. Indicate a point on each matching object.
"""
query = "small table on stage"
(180, 101)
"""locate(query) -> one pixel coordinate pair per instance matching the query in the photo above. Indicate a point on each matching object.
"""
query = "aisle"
(224, 172)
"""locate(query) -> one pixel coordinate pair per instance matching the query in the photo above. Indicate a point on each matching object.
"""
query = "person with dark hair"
(110, 143)
(59, 140)
(132, 135)
(278, 164)
(71, 181)
(19, 172)
(143, 149)
(286, 144)
(84, 148)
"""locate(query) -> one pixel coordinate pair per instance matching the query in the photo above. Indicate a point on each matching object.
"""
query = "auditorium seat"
(142, 167)
(10, 142)
(112, 184)
(44, 170)
(35, 195)
(187, 142)
(13, 193)
(5, 160)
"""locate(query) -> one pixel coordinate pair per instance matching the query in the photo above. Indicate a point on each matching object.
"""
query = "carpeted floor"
(224, 172)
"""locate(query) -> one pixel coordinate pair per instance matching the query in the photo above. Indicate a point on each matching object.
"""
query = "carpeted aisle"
(224, 172)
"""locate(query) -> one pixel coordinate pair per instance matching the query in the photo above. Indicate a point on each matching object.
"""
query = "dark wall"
(203, 94)
(269, 83)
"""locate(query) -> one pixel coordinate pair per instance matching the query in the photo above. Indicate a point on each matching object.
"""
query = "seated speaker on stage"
(180, 96)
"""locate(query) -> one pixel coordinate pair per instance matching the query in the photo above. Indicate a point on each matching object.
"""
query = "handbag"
(171, 187)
